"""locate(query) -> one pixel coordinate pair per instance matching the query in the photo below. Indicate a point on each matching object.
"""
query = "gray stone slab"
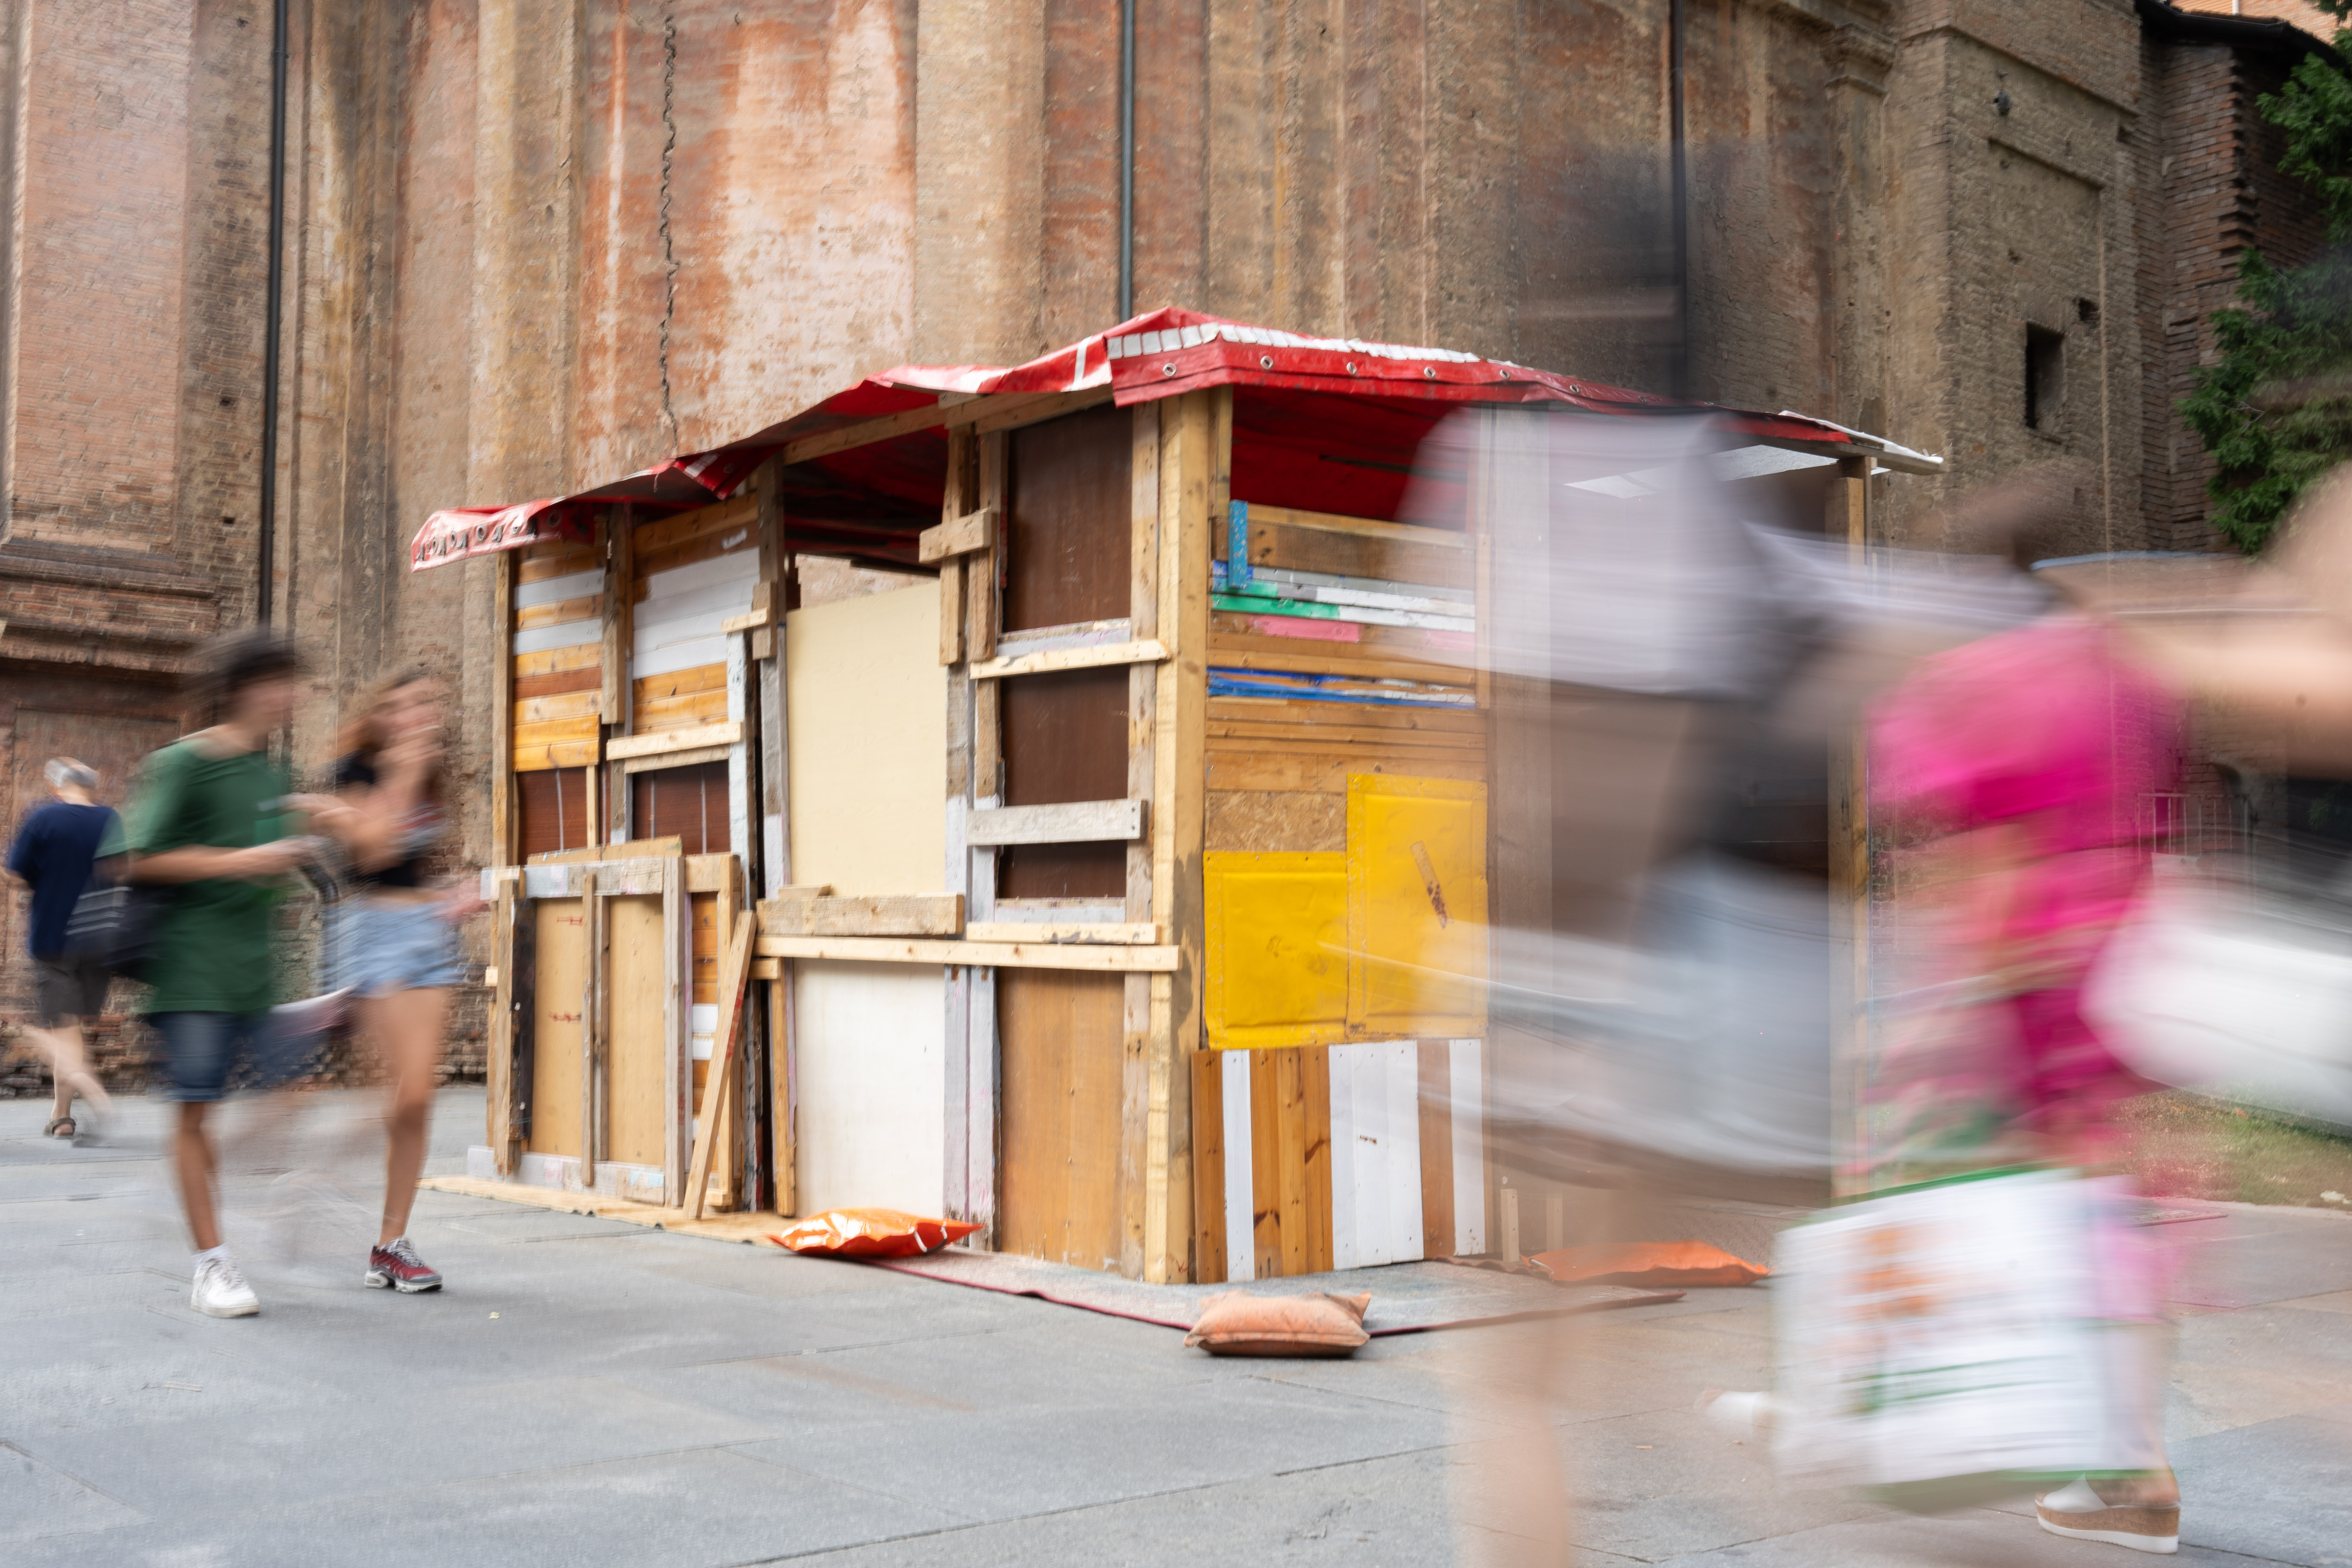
(38, 1499)
(2256, 1256)
(368, 1438)
(1974, 1539)
(2233, 1369)
(1005, 1464)
(1387, 1511)
(673, 1510)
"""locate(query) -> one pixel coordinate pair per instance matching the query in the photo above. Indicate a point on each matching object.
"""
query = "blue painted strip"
(1237, 566)
(1222, 685)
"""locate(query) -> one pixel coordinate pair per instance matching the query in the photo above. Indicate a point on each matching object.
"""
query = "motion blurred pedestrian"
(54, 851)
(395, 943)
(207, 823)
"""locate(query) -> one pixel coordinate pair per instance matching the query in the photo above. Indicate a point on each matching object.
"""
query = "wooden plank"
(896, 914)
(1848, 832)
(558, 1003)
(693, 709)
(1266, 1163)
(1315, 1098)
(1352, 554)
(1208, 1166)
(559, 684)
(502, 1089)
(585, 608)
(595, 1031)
(1001, 413)
(619, 614)
(1362, 528)
(542, 759)
(622, 746)
(709, 676)
(957, 536)
(1237, 651)
(712, 873)
(1347, 715)
(651, 564)
(1436, 1064)
(1006, 955)
(1290, 1154)
(631, 849)
(982, 608)
(568, 705)
(1148, 996)
(556, 732)
(1134, 933)
(1267, 735)
(560, 563)
(1326, 773)
(733, 978)
(1148, 650)
(504, 669)
(678, 1030)
(679, 527)
(1073, 822)
(1060, 1064)
(781, 1086)
(866, 432)
(551, 662)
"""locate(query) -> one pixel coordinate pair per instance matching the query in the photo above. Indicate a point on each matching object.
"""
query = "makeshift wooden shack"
(1122, 882)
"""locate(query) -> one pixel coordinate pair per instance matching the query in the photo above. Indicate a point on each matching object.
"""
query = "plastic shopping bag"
(1951, 1343)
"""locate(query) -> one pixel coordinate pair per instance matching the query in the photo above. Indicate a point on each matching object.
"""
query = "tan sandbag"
(1238, 1323)
(1685, 1263)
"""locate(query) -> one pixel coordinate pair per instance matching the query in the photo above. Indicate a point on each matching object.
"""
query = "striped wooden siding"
(1322, 1157)
(559, 601)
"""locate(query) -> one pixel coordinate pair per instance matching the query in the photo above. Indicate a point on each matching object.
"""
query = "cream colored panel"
(871, 1061)
(866, 713)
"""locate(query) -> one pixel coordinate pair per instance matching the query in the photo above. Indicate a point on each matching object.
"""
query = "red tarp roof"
(1332, 425)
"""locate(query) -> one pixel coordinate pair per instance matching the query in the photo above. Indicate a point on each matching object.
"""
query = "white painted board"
(1241, 1176)
(870, 1057)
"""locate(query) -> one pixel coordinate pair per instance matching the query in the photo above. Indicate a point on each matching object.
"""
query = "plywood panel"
(1061, 1061)
(1064, 738)
(638, 1064)
(1436, 1066)
(1276, 820)
(563, 973)
(1416, 906)
(1324, 771)
(869, 1076)
(1276, 959)
(1068, 534)
(866, 708)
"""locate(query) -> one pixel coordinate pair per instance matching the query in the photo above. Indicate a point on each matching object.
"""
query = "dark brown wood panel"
(689, 804)
(1065, 740)
(1437, 1148)
(1059, 1037)
(1209, 1167)
(1069, 530)
(554, 809)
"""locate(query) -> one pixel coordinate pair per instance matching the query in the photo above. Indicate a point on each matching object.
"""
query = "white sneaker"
(2078, 1513)
(221, 1292)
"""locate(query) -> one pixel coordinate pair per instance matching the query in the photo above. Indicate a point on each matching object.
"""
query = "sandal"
(56, 1121)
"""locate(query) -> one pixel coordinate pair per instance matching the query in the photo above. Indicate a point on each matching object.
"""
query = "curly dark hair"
(235, 660)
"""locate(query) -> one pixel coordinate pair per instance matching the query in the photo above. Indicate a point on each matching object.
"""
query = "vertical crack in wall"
(669, 253)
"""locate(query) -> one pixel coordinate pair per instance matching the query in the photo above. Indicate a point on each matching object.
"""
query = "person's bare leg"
(61, 1047)
(409, 1028)
(192, 1154)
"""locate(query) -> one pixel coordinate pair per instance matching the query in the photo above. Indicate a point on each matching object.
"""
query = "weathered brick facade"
(537, 245)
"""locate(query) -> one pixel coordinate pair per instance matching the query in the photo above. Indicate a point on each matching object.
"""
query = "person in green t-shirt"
(205, 823)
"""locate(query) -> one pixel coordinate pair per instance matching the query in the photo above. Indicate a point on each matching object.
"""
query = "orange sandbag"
(1683, 1263)
(1238, 1323)
(870, 1233)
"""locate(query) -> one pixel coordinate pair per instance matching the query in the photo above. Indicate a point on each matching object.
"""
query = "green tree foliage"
(2275, 410)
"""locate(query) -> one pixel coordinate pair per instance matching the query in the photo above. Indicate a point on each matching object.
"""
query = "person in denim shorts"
(205, 823)
(53, 855)
(395, 943)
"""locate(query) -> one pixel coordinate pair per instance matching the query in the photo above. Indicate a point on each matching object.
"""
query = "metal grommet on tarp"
(1265, 361)
(1168, 369)
(1429, 370)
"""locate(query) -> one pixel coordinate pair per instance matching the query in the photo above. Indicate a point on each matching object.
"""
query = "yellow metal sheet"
(1277, 949)
(1416, 906)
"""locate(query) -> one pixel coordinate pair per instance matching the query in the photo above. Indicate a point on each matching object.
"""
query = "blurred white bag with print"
(2236, 991)
(1957, 1341)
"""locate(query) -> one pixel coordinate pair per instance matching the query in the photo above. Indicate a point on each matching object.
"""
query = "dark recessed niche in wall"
(2045, 377)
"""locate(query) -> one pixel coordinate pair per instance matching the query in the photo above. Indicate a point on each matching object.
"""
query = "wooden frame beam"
(1074, 822)
(982, 954)
(1148, 650)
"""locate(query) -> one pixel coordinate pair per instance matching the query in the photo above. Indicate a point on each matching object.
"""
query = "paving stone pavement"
(590, 1393)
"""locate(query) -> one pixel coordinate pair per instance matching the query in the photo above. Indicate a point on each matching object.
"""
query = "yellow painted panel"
(1277, 961)
(1416, 906)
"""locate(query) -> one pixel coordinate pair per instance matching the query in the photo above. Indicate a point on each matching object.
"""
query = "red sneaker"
(398, 1268)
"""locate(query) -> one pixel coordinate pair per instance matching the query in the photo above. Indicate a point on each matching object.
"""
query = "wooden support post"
(677, 1026)
(733, 976)
(620, 612)
(502, 1087)
(1142, 703)
(502, 701)
(961, 492)
(1848, 519)
(1194, 472)
(593, 1028)
(983, 573)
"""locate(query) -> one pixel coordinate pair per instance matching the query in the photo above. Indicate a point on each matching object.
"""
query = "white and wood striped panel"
(676, 623)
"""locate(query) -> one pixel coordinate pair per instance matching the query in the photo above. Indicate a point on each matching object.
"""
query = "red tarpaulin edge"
(1157, 354)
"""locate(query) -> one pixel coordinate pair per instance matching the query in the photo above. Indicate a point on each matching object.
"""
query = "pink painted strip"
(1459, 641)
(1309, 630)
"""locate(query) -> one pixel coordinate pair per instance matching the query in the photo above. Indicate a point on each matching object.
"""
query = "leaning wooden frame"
(1122, 881)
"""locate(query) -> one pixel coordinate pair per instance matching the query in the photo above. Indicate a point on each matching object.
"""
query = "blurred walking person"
(395, 943)
(54, 851)
(205, 824)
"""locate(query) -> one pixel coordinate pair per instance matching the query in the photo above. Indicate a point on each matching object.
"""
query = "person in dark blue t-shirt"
(55, 850)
